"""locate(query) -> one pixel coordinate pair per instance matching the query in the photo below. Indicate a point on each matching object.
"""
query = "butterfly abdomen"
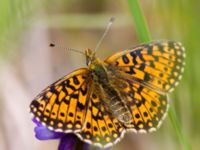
(112, 97)
(116, 105)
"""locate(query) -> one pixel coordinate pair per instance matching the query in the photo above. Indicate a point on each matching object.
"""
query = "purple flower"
(67, 141)
(42, 133)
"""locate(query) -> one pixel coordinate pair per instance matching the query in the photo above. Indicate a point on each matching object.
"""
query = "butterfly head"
(95, 66)
(90, 56)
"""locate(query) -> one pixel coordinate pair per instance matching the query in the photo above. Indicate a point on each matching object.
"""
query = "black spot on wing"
(134, 56)
(83, 91)
(138, 54)
(80, 106)
(74, 95)
(125, 59)
(70, 86)
(75, 80)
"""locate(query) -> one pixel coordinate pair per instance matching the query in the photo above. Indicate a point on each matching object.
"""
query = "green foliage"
(139, 20)
(14, 16)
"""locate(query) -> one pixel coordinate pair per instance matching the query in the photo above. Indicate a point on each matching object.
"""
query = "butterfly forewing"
(62, 106)
(156, 64)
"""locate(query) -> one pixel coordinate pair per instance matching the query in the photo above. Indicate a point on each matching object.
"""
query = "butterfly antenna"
(112, 19)
(68, 49)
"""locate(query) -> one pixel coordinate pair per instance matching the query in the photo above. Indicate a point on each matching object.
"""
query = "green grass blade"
(139, 20)
(177, 128)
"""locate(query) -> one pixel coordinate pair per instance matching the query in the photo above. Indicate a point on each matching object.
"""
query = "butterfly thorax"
(109, 94)
(98, 71)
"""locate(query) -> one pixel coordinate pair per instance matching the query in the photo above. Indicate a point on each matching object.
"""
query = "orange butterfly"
(125, 92)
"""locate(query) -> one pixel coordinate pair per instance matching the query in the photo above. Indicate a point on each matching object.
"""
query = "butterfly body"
(110, 94)
(125, 92)
(101, 74)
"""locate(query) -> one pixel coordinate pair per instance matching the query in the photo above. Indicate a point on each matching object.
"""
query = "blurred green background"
(27, 64)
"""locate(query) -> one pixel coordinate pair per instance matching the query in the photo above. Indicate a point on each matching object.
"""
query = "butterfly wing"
(62, 106)
(148, 109)
(158, 65)
(73, 104)
(147, 106)
(101, 128)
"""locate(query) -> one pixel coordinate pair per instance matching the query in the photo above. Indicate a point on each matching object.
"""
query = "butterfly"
(125, 92)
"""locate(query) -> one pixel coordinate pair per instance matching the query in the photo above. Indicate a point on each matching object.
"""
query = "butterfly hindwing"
(101, 128)
(62, 106)
(157, 64)
(147, 106)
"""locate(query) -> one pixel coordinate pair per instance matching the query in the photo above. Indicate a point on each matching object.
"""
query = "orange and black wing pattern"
(156, 64)
(144, 75)
(101, 127)
(63, 105)
(147, 106)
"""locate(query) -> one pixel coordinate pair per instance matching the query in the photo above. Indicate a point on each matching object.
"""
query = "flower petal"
(43, 133)
(68, 142)
(36, 122)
